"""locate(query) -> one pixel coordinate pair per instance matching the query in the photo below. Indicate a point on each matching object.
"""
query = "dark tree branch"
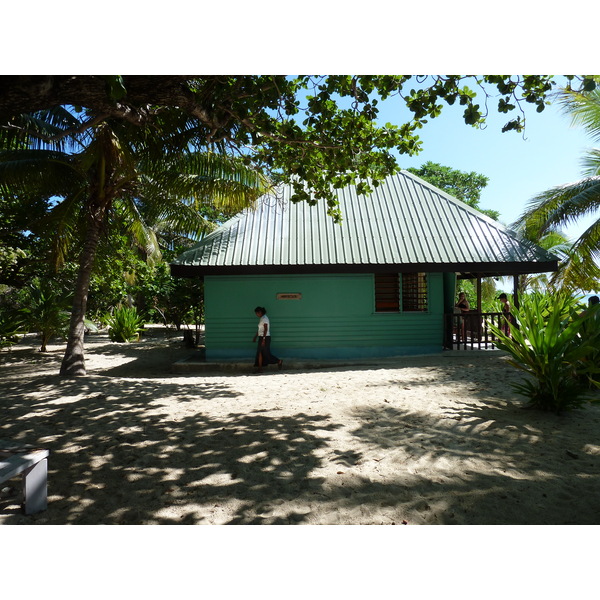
(29, 93)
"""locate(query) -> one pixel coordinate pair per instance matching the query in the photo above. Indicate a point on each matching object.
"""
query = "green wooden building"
(378, 284)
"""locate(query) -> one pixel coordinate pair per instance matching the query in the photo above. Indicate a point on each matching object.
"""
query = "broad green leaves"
(125, 324)
(557, 347)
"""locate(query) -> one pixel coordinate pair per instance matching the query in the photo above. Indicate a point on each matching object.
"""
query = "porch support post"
(479, 293)
(516, 290)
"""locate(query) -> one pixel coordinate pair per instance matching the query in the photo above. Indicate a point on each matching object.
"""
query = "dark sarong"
(267, 357)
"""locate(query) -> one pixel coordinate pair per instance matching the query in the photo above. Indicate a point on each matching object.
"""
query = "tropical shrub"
(549, 342)
(125, 324)
(11, 318)
(11, 327)
(45, 310)
(590, 335)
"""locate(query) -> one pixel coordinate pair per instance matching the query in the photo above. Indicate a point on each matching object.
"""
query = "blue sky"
(518, 165)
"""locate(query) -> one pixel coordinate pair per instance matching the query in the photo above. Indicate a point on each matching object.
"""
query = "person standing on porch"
(506, 313)
(463, 307)
(263, 350)
(463, 303)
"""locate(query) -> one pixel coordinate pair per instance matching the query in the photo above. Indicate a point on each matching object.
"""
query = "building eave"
(478, 269)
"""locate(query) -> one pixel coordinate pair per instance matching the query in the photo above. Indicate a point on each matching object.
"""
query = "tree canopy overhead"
(312, 131)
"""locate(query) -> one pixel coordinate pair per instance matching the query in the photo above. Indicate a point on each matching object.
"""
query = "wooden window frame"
(387, 292)
(401, 293)
(414, 290)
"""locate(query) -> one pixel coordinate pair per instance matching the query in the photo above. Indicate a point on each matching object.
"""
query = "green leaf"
(472, 114)
(115, 87)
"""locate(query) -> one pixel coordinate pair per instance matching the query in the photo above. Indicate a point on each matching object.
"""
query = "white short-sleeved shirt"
(261, 329)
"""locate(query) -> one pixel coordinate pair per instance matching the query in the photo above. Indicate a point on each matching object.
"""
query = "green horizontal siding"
(335, 317)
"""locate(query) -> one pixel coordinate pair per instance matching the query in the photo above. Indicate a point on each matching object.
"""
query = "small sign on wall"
(289, 296)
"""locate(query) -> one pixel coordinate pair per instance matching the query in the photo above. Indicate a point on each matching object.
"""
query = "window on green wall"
(392, 293)
(414, 292)
(387, 292)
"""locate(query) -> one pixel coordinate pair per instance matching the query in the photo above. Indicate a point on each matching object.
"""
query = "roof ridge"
(460, 203)
(504, 228)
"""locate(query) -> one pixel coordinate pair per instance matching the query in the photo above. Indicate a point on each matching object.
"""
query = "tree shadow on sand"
(473, 465)
(119, 457)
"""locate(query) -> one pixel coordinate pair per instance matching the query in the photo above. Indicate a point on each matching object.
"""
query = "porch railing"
(469, 331)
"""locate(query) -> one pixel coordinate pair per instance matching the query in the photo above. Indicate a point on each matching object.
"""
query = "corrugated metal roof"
(405, 224)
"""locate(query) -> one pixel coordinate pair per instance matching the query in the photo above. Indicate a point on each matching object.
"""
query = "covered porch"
(472, 331)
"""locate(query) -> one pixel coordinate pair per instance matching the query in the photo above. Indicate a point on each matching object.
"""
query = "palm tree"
(116, 170)
(565, 204)
(556, 243)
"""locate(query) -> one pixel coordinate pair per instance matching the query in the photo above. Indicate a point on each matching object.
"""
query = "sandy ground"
(419, 440)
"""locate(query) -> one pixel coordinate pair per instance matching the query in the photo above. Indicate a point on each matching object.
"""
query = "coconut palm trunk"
(73, 363)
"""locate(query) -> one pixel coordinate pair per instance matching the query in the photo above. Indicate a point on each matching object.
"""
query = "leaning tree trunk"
(73, 364)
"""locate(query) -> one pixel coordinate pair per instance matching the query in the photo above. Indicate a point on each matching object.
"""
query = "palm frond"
(66, 222)
(560, 206)
(588, 243)
(584, 109)
(212, 166)
(182, 219)
(566, 204)
(555, 242)
(200, 182)
(134, 223)
(47, 172)
(576, 274)
(590, 163)
(44, 130)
